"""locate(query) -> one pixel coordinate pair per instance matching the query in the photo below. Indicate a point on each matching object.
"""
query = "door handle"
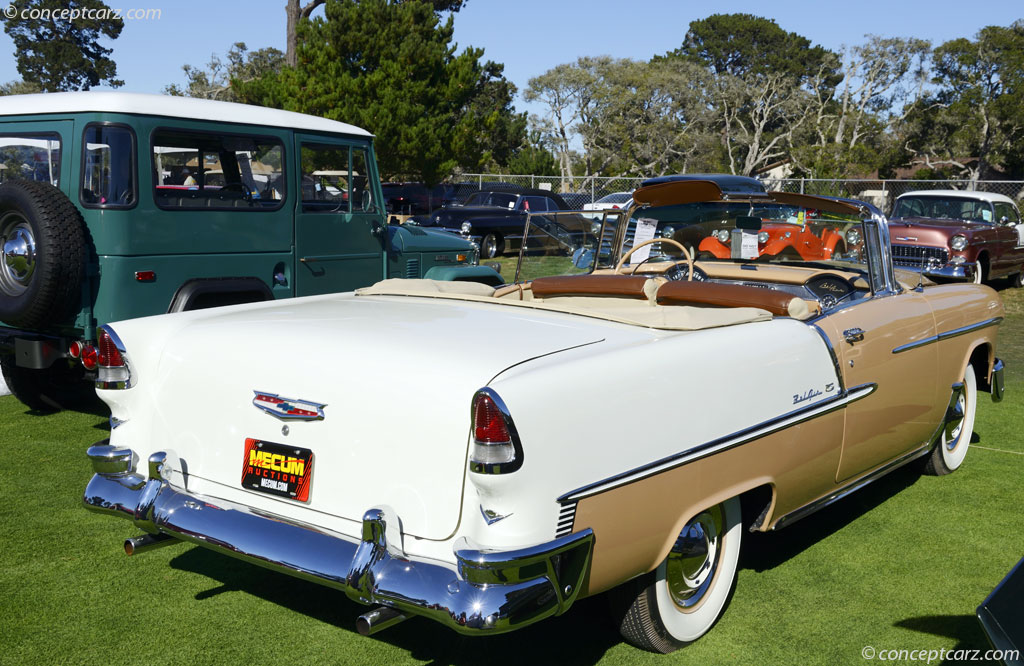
(852, 335)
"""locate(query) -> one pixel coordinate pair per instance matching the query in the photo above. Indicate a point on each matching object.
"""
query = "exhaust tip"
(145, 542)
(377, 620)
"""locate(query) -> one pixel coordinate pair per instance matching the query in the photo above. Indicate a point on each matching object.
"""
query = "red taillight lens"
(75, 350)
(113, 372)
(488, 423)
(90, 357)
(495, 448)
(109, 356)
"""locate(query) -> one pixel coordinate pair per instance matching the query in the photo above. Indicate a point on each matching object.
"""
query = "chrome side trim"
(945, 335)
(479, 591)
(854, 485)
(723, 443)
(832, 354)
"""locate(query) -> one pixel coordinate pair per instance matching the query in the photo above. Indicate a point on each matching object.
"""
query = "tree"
(296, 12)
(215, 82)
(760, 93)
(853, 127)
(566, 90)
(534, 157)
(19, 88)
(744, 44)
(58, 52)
(391, 67)
(976, 118)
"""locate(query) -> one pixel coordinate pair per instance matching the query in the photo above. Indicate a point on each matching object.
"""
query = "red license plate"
(277, 469)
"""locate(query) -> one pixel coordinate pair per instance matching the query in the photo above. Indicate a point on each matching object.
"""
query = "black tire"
(42, 240)
(1018, 279)
(491, 246)
(58, 387)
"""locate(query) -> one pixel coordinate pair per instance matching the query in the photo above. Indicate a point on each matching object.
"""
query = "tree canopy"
(56, 53)
(975, 117)
(391, 66)
(239, 64)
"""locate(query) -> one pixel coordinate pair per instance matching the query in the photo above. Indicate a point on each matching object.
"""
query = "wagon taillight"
(112, 371)
(495, 448)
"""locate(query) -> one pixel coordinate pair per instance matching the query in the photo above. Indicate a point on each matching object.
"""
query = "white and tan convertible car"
(486, 457)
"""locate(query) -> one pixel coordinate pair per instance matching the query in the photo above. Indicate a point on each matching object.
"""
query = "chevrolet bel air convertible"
(613, 420)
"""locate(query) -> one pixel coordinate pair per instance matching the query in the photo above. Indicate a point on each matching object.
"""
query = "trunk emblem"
(288, 409)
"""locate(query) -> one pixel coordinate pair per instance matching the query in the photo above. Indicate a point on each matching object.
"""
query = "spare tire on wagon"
(42, 241)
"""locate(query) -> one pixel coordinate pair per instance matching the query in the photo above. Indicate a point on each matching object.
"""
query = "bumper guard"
(486, 592)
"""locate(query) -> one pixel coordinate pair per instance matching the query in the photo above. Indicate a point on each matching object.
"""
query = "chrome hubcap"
(955, 421)
(691, 566)
(19, 258)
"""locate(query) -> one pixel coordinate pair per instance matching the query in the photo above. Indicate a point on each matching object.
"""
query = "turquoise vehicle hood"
(412, 238)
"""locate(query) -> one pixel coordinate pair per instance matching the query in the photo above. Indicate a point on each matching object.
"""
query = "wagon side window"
(215, 171)
(108, 167)
(326, 178)
(30, 157)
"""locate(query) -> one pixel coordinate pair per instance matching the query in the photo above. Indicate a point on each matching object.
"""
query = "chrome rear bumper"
(484, 592)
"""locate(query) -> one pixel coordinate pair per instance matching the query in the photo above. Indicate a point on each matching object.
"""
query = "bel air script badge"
(811, 393)
(288, 409)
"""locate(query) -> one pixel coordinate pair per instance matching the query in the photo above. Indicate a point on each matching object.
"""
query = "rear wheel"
(491, 246)
(955, 436)
(683, 598)
(61, 386)
(1018, 279)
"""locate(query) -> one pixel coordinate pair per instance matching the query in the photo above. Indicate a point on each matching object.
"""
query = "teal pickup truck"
(116, 205)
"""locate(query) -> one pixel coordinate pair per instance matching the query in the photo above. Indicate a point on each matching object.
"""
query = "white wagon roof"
(960, 194)
(170, 106)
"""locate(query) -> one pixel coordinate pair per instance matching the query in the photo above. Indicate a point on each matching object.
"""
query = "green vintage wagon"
(116, 205)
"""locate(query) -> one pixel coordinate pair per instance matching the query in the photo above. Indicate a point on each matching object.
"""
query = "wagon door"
(339, 226)
(904, 408)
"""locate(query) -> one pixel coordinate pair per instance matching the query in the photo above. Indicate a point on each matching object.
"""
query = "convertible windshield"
(944, 208)
(723, 232)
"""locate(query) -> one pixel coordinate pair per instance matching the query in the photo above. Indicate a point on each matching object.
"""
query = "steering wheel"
(682, 248)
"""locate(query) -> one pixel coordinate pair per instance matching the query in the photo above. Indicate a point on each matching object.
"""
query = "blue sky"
(529, 36)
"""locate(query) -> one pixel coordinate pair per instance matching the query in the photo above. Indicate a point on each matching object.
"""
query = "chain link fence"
(576, 191)
(882, 193)
(587, 189)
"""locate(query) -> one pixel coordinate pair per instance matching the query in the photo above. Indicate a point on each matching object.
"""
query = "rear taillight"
(112, 371)
(496, 448)
(75, 349)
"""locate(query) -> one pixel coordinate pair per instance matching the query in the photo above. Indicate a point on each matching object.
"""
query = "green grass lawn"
(901, 564)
